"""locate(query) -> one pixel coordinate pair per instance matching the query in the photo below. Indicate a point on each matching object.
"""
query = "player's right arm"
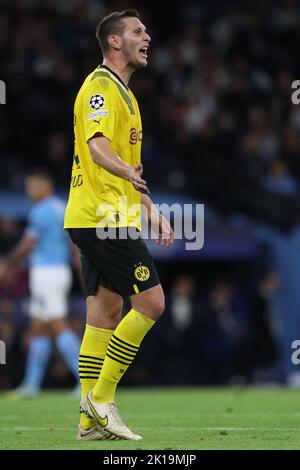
(17, 254)
(103, 155)
(99, 113)
(36, 226)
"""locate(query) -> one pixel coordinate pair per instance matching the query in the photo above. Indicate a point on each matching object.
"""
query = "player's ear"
(114, 41)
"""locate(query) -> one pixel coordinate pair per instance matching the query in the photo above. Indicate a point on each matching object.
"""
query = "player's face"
(37, 188)
(135, 42)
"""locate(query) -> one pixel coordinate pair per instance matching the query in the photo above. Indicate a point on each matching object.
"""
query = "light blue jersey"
(45, 221)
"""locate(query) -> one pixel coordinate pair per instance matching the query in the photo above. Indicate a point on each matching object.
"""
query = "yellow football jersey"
(97, 198)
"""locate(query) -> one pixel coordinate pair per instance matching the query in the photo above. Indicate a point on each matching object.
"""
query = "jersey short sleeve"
(98, 105)
(36, 224)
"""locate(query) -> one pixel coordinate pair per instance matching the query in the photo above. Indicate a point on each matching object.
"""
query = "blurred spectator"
(182, 304)
(280, 179)
(221, 333)
(235, 335)
(58, 150)
(178, 336)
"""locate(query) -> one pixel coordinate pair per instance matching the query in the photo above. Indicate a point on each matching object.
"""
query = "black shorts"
(123, 265)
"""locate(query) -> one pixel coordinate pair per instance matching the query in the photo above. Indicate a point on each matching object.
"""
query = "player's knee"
(101, 316)
(156, 306)
(113, 318)
(151, 302)
(161, 305)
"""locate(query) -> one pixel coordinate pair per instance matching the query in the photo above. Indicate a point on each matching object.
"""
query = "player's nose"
(147, 37)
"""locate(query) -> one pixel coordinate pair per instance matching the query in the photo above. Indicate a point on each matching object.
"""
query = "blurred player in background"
(48, 248)
(107, 169)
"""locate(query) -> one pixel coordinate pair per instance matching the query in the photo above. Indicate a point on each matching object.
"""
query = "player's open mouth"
(143, 51)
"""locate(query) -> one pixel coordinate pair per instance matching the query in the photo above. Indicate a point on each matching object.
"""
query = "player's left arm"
(17, 254)
(160, 225)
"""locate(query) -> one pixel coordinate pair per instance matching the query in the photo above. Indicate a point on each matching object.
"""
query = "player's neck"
(122, 70)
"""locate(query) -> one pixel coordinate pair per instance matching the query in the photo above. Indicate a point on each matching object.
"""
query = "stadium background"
(220, 129)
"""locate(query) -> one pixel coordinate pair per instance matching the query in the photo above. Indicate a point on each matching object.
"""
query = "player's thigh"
(150, 302)
(104, 308)
(57, 326)
(123, 262)
(38, 328)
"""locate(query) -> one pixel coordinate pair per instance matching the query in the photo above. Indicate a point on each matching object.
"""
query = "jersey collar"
(115, 74)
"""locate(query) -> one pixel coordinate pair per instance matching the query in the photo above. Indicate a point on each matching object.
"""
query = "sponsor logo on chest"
(135, 136)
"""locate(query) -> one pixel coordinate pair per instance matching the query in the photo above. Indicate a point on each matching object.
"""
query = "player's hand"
(166, 234)
(135, 179)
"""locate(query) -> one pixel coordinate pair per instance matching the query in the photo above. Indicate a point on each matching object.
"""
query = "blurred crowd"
(218, 124)
(215, 99)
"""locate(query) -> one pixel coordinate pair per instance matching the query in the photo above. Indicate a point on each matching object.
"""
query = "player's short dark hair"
(113, 24)
(41, 172)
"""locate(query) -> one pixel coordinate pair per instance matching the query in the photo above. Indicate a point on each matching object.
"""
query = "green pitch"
(191, 418)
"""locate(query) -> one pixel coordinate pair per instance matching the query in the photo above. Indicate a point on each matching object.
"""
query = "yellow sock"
(91, 357)
(122, 348)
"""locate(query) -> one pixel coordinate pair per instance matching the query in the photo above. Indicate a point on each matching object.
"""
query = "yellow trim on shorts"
(136, 289)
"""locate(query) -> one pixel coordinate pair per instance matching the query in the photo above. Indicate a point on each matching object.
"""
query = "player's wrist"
(130, 172)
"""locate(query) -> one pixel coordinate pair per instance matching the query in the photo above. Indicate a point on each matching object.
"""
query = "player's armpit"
(97, 134)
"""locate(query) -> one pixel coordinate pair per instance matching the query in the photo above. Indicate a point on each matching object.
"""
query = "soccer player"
(106, 195)
(48, 248)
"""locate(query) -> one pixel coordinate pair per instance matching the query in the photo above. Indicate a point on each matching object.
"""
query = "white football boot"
(107, 416)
